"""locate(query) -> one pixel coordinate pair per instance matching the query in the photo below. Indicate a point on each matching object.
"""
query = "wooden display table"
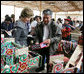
(75, 56)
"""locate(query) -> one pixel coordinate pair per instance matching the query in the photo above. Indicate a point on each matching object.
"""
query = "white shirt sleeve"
(33, 24)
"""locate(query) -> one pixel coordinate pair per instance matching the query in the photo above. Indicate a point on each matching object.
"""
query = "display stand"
(75, 56)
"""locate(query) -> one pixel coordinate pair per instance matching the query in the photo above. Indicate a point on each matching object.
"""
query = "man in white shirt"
(47, 33)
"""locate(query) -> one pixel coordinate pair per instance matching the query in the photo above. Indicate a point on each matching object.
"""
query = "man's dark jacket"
(54, 35)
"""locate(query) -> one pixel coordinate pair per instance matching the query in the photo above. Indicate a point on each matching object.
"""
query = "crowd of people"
(46, 31)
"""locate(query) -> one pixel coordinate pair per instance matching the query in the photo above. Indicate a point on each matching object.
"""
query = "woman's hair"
(26, 12)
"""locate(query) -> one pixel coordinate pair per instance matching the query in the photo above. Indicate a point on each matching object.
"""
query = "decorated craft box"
(8, 51)
(20, 63)
(7, 54)
(34, 59)
(57, 66)
(17, 59)
(16, 68)
(16, 64)
(57, 63)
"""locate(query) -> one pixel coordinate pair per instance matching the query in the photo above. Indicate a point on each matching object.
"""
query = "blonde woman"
(21, 31)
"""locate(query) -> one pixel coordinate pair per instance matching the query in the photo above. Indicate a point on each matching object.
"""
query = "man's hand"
(47, 42)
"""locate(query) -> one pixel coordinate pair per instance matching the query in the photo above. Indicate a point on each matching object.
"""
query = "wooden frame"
(55, 6)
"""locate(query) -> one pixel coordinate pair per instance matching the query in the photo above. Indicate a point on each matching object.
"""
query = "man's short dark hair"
(77, 21)
(36, 17)
(53, 19)
(8, 19)
(6, 16)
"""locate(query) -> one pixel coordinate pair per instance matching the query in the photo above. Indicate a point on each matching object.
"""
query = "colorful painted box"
(34, 60)
(16, 59)
(57, 66)
(57, 62)
(16, 68)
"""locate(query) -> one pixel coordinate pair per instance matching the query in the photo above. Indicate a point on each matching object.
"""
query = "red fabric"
(80, 41)
(59, 47)
(65, 34)
(67, 29)
(67, 19)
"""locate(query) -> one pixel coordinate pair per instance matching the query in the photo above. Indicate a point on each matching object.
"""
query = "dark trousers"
(44, 52)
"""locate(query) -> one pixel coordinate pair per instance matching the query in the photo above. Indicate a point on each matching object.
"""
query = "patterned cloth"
(66, 32)
(80, 41)
(67, 46)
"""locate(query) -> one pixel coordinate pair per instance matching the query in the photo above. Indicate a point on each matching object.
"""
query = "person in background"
(13, 18)
(80, 24)
(74, 23)
(66, 30)
(70, 22)
(6, 16)
(47, 33)
(59, 23)
(37, 19)
(6, 24)
(77, 24)
(21, 28)
(53, 19)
